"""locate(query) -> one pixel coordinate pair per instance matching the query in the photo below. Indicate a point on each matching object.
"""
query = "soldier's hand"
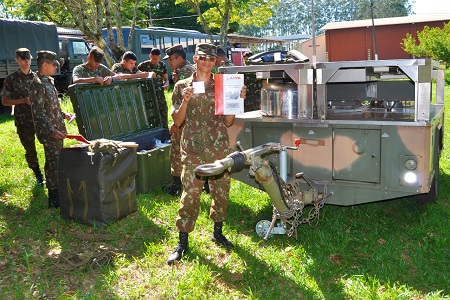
(243, 93)
(27, 101)
(151, 75)
(99, 80)
(56, 134)
(174, 129)
(143, 75)
(70, 117)
(187, 93)
(107, 80)
(174, 77)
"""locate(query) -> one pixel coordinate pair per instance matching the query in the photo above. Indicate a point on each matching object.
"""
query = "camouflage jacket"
(184, 70)
(47, 113)
(160, 69)
(16, 86)
(205, 136)
(119, 69)
(82, 71)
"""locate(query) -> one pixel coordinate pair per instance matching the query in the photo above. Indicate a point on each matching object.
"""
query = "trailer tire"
(262, 226)
(432, 195)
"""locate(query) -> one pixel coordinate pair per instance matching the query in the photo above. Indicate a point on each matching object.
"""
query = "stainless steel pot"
(279, 100)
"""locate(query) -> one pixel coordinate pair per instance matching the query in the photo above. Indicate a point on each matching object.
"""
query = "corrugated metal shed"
(353, 40)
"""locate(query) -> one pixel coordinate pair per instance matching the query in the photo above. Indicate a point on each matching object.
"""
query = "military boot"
(39, 177)
(180, 249)
(53, 198)
(175, 188)
(219, 238)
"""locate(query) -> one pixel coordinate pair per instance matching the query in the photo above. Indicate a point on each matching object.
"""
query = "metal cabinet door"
(356, 154)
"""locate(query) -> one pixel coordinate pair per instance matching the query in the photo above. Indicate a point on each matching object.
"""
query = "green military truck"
(37, 36)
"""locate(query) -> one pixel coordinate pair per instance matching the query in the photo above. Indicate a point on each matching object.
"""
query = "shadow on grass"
(5, 118)
(58, 247)
(391, 243)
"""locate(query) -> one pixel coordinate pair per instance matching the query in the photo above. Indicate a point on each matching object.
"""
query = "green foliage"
(447, 76)
(39, 10)
(220, 14)
(166, 13)
(433, 42)
(325, 11)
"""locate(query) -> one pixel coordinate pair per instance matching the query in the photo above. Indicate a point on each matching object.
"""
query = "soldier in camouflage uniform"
(48, 119)
(127, 68)
(221, 61)
(15, 92)
(162, 81)
(93, 71)
(176, 57)
(204, 140)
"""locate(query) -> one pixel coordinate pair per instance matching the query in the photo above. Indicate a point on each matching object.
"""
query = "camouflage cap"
(206, 49)
(48, 55)
(175, 49)
(23, 53)
(247, 54)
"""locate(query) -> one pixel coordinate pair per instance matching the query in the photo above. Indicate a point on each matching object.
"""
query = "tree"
(166, 13)
(223, 12)
(294, 16)
(434, 42)
(92, 16)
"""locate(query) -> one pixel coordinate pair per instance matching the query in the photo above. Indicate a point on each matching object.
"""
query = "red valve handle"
(297, 142)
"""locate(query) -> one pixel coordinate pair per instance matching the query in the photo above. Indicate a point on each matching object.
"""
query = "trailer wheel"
(432, 195)
(262, 226)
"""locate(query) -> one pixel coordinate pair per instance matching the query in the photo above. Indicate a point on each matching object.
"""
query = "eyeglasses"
(207, 57)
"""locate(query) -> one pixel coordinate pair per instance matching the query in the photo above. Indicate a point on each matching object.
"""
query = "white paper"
(199, 87)
(227, 94)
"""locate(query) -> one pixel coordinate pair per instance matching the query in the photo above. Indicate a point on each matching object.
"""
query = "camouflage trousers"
(26, 132)
(176, 166)
(190, 199)
(51, 149)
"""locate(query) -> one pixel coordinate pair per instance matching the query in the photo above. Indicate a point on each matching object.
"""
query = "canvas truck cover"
(33, 35)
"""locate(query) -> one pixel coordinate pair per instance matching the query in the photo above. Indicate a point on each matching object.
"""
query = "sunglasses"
(207, 58)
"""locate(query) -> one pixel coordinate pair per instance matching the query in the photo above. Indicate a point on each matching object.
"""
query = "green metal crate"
(126, 111)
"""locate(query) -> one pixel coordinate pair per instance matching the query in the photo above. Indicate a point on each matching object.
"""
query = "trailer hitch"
(288, 197)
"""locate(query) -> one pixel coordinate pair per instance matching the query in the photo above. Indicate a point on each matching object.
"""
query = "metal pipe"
(283, 165)
(314, 58)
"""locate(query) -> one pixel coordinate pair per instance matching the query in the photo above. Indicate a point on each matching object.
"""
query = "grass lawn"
(387, 250)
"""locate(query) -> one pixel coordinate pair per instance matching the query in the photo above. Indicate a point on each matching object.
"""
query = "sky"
(423, 7)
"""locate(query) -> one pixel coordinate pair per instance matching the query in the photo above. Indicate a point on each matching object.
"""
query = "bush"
(447, 76)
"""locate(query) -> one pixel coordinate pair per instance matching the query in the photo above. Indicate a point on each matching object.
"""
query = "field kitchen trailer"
(342, 133)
